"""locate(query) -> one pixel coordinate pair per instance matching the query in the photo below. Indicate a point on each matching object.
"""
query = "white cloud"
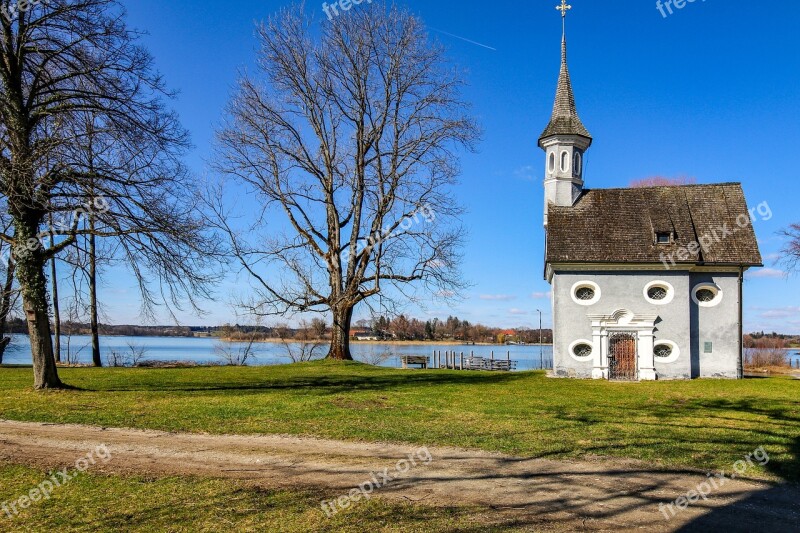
(542, 295)
(518, 312)
(525, 173)
(497, 297)
(771, 273)
(781, 312)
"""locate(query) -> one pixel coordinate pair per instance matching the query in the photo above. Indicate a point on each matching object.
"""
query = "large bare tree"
(349, 135)
(791, 248)
(60, 61)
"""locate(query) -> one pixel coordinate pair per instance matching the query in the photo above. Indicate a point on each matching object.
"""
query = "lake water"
(202, 350)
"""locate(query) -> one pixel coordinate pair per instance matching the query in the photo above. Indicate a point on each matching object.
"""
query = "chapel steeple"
(565, 139)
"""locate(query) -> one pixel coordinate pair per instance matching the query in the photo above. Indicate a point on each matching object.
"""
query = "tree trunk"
(340, 334)
(93, 296)
(5, 307)
(33, 285)
(56, 311)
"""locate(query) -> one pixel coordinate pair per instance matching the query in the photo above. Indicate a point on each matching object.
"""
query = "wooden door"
(622, 357)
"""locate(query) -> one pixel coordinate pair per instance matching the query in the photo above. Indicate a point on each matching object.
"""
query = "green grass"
(703, 424)
(118, 503)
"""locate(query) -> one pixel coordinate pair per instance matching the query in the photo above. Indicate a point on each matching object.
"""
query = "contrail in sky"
(464, 39)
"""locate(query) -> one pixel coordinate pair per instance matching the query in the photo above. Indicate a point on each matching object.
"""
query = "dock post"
(492, 355)
(461, 363)
(508, 357)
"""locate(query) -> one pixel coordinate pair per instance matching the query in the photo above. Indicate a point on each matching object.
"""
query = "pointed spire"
(565, 120)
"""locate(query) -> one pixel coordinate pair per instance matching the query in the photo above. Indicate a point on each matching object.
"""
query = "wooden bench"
(420, 360)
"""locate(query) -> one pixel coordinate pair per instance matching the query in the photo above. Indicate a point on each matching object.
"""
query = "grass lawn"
(703, 424)
(116, 503)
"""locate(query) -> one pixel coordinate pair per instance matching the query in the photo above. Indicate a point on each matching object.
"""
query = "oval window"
(666, 352)
(659, 293)
(662, 350)
(552, 162)
(707, 295)
(564, 161)
(577, 164)
(585, 293)
(582, 350)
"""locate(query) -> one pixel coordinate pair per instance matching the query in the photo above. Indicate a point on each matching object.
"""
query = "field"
(700, 424)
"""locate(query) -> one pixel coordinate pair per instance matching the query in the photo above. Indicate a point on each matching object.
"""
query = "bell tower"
(565, 139)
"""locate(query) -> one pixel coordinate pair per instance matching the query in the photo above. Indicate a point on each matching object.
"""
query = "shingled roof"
(565, 120)
(620, 226)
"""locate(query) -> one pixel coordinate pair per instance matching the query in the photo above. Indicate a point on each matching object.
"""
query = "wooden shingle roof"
(620, 226)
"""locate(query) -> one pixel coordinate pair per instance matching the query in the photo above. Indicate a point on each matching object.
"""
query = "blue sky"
(709, 92)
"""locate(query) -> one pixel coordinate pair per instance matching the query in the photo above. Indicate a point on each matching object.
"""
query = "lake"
(202, 350)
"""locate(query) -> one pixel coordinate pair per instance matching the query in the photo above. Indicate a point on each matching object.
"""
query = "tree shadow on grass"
(321, 384)
(756, 512)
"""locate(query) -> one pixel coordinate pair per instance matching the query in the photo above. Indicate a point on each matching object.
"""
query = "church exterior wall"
(718, 325)
(681, 321)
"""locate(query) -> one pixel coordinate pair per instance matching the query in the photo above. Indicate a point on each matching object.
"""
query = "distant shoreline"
(384, 343)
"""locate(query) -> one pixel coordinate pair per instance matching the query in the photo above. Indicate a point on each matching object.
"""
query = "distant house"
(647, 282)
(365, 335)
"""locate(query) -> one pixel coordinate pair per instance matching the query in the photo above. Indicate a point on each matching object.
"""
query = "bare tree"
(662, 181)
(54, 295)
(8, 299)
(319, 327)
(300, 347)
(239, 352)
(61, 60)
(791, 250)
(350, 135)
(134, 356)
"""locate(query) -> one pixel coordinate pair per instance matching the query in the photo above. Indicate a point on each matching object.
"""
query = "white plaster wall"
(681, 321)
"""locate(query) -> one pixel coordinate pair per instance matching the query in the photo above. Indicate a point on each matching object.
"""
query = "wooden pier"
(451, 360)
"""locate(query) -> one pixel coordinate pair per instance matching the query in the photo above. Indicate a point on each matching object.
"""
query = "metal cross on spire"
(564, 7)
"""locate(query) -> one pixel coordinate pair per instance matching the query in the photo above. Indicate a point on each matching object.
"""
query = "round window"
(659, 292)
(582, 350)
(585, 293)
(707, 295)
(662, 350)
(666, 352)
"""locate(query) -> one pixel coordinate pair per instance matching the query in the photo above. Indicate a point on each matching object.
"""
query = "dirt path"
(544, 494)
